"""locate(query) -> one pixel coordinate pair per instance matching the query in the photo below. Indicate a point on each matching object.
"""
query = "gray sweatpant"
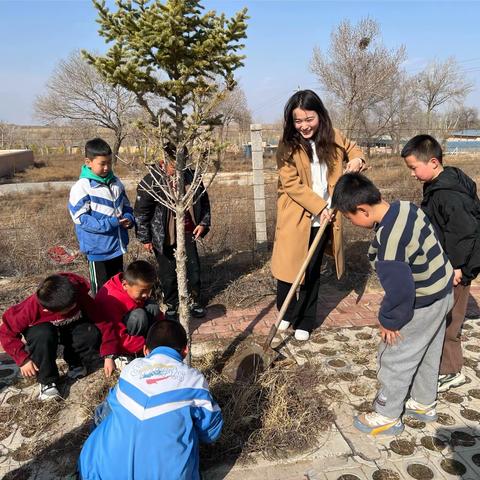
(412, 363)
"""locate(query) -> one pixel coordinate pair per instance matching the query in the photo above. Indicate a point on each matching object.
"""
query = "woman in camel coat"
(312, 155)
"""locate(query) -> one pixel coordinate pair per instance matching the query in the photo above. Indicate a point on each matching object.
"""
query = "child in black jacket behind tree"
(450, 201)
(156, 230)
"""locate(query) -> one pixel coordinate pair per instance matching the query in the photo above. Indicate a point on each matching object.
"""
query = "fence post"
(258, 187)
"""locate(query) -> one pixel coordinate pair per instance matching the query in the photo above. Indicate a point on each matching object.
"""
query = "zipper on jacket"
(122, 247)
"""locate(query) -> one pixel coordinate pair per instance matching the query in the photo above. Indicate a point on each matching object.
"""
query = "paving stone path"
(345, 347)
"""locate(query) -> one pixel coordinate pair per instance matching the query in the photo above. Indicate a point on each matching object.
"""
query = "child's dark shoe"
(376, 424)
(74, 373)
(198, 311)
(48, 391)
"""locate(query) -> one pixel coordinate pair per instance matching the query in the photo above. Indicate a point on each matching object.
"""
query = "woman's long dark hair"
(324, 137)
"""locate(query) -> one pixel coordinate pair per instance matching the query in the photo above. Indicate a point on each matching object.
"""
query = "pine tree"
(178, 61)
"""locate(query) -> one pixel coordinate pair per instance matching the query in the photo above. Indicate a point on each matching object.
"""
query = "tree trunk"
(180, 254)
(116, 146)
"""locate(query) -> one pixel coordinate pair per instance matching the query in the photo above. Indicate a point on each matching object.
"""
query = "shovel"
(253, 358)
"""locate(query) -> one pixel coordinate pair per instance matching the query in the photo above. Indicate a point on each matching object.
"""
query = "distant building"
(463, 141)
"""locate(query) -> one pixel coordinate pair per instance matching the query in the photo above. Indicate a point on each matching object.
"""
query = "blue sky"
(36, 34)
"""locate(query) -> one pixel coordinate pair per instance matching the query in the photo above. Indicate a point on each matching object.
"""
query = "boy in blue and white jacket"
(102, 214)
(155, 417)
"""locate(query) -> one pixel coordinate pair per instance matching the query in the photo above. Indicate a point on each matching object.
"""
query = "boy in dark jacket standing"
(156, 230)
(100, 209)
(450, 201)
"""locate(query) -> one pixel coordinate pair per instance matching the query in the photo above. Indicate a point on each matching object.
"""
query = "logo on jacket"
(156, 372)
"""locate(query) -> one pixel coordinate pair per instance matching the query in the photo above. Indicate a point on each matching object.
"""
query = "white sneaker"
(376, 424)
(48, 391)
(284, 325)
(424, 413)
(451, 380)
(302, 335)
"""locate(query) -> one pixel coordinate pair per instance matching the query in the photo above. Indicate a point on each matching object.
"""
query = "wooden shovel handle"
(297, 281)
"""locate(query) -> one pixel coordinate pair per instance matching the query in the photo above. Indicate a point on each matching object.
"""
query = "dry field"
(234, 273)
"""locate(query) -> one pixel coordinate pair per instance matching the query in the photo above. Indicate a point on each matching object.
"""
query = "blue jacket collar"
(169, 352)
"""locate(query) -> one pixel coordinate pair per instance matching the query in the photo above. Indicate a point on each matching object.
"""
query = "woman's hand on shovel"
(327, 215)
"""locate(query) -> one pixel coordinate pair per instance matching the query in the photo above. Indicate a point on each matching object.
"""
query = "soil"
(452, 397)
(476, 459)
(467, 326)
(470, 414)
(402, 447)
(365, 407)
(6, 372)
(445, 419)
(16, 399)
(475, 334)
(370, 374)
(346, 376)
(360, 360)
(341, 338)
(332, 394)
(319, 340)
(359, 390)
(363, 336)
(337, 363)
(5, 431)
(384, 474)
(453, 467)
(469, 362)
(434, 444)
(413, 423)
(462, 439)
(329, 352)
(348, 476)
(472, 348)
(420, 472)
(475, 393)
(304, 353)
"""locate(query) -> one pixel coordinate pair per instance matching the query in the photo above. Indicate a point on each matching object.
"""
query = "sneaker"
(302, 335)
(424, 413)
(122, 361)
(74, 373)
(48, 391)
(376, 424)
(198, 311)
(284, 325)
(451, 380)
(171, 314)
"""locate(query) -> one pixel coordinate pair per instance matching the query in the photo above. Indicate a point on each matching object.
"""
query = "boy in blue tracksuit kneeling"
(102, 214)
(155, 417)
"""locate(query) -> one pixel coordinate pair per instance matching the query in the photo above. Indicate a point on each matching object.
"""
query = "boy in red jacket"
(125, 301)
(61, 311)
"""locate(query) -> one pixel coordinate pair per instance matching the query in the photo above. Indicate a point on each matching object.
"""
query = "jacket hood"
(115, 289)
(452, 178)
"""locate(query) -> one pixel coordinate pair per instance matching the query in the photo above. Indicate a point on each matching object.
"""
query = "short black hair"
(56, 293)
(140, 270)
(423, 147)
(166, 333)
(352, 190)
(97, 147)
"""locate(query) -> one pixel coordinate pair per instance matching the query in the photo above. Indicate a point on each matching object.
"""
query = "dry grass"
(276, 414)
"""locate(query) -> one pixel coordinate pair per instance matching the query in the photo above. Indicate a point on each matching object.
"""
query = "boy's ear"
(364, 210)
(184, 351)
(124, 284)
(87, 161)
(435, 162)
(146, 351)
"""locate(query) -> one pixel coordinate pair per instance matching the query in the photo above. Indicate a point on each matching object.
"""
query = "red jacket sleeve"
(15, 321)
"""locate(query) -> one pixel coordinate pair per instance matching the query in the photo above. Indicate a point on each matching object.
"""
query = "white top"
(319, 181)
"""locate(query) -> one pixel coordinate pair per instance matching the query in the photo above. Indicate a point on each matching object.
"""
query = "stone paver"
(334, 310)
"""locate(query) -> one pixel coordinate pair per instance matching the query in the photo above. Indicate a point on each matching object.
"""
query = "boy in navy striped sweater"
(102, 214)
(417, 278)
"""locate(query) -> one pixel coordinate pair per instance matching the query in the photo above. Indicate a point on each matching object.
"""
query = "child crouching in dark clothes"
(417, 278)
(61, 311)
(124, 302)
